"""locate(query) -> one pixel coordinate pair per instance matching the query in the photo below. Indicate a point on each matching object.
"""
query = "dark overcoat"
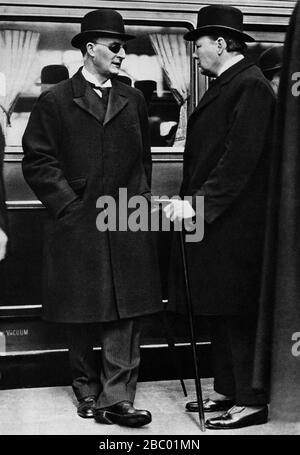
(278, 344)
(73, 155)
(226, 160)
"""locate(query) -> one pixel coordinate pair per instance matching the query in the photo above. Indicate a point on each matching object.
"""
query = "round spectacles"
(114, 47)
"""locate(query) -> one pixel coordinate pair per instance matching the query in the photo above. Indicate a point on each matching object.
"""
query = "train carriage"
(38, 33)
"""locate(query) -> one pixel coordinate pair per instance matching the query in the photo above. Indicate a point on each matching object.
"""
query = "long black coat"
(226, 160)
(71, 158)
(279, 321)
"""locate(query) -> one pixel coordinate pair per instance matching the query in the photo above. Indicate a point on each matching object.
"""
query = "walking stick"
(192, 332)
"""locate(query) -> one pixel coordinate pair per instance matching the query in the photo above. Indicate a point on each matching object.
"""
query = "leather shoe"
(123, 413)
(234, 418)
(87, 407)
(210, 405)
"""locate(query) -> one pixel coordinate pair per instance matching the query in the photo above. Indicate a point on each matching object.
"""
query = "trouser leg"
(242, 332)
(221, 357)
(85, 378)
(120, 342)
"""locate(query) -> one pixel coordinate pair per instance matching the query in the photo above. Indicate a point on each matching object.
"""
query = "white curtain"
(17, 53)
(172, 51)
(141, 67)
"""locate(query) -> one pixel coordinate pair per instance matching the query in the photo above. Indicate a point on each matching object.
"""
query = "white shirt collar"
(229, 63)
(91, 78)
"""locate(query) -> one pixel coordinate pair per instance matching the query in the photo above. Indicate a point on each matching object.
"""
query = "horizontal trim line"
(12, 160)
(30, 307)
(17, 150)
(165, 345)
(167, 160)
(50, 351)
(20, 307)
(24, 205)
(13, 203)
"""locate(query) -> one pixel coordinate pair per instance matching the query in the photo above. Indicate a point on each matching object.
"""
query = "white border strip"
(50, 351)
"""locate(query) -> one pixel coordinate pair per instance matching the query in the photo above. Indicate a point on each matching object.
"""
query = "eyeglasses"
(114, 47)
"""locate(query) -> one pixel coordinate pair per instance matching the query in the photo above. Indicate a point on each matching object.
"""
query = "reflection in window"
(18, 51)
(172, 52)
(256, 49)
(157, 62)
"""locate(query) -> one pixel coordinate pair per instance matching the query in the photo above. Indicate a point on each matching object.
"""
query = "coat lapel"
(87, 100)
(116, 102)
(90, 104)
(214, 91)
(84, 96)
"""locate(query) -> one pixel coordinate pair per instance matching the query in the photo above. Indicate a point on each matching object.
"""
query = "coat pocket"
(78, 185)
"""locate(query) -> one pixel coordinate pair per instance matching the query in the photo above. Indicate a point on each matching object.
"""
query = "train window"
(157, 62)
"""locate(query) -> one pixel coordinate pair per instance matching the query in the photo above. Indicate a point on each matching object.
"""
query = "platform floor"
(52, 411)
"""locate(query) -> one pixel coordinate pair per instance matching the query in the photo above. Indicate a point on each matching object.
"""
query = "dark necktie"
(103, 90)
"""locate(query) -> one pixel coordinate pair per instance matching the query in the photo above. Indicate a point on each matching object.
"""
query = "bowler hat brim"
(193, 35)
(272, 68)
(82, 37)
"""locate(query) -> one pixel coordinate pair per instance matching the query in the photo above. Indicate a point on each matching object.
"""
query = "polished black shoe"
(210, 405)
(123, 413)
(87, 407)
(234, 418)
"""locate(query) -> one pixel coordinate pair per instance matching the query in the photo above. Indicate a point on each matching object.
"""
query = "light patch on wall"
(2, 84)
(2, 342)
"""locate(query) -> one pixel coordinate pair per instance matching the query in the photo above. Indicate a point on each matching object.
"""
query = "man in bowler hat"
(226, 160)
(53, 74)
(87, 137)
(270, 62)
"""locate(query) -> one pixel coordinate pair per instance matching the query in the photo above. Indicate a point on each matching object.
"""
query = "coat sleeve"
(41, 166)
(144, 122)
(249, 127)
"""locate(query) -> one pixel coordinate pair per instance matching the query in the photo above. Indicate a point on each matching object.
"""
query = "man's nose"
(195, 55)
(121, 53)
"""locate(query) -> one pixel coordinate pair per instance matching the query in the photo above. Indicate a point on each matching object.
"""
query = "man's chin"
(115, 70)
(206, 72)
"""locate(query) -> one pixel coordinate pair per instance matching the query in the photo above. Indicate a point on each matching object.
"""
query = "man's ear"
(90, 49)
(221, 45)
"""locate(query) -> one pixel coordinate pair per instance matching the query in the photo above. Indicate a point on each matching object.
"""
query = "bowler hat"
(271, 59)
(105, 22)
(52, 74)
(217, 19)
